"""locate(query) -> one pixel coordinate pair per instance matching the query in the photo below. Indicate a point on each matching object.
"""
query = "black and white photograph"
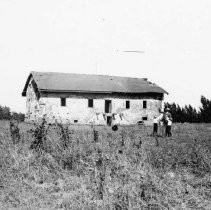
(105, 105)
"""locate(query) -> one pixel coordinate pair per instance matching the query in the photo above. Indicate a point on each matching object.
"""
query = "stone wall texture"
(77, 111)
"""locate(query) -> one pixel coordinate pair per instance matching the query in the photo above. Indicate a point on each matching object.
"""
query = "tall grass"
(92, 167)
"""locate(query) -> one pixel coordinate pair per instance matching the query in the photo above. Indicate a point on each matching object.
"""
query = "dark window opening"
(75, 121)
(127, 104)
(144, 104)
(90, 102)
(144, 118)
(63, 101)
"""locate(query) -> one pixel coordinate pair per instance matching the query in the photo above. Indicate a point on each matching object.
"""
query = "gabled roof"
(68, 82)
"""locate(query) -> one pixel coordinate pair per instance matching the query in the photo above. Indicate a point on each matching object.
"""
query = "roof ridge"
(85, 74)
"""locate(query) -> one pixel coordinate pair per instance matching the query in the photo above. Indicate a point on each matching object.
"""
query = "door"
(107, 106)
(109, 120)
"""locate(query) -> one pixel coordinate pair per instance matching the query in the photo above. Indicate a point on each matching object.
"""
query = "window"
(144, 118)
(63, 101)
(127, 104)
(90, 102)
(144, 104)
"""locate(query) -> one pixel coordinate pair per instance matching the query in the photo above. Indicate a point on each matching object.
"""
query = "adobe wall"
(32, 104)
(77, 110)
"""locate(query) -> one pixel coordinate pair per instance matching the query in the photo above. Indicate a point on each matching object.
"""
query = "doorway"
(107, 106)
(108, 110)
(109, 120)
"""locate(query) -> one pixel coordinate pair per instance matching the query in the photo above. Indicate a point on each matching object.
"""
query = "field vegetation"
(59, 166)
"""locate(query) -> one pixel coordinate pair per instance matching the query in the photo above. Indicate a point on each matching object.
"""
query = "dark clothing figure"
(155, 129)
(166, 122)
(169, 123)
(168, 131)
(163, 123)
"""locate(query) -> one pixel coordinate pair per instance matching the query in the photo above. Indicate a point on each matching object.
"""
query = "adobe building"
(91, 99)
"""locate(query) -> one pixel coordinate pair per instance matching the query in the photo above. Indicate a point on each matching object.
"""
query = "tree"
(205, 110)
(18, 116)
(190, 114)
(5, 113)
(183, 114)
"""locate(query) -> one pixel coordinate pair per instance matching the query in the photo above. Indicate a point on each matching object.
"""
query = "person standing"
(160, 124)
(168, 113)
(163, 124)
(168, 128)
(169, 120)
(155, 126)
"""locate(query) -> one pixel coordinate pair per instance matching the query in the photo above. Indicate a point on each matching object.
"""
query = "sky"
(91, 36)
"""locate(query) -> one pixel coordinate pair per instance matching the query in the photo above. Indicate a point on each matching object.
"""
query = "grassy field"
(83, 167)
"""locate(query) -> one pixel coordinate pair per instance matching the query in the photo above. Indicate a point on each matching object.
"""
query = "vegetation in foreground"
(80, 167)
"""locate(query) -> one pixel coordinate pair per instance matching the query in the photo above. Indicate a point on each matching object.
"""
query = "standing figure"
(168, 122)
(168, 127)
(155, 126)
(163, 124)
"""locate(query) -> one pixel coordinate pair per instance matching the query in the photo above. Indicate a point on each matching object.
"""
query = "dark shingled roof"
(68, 82)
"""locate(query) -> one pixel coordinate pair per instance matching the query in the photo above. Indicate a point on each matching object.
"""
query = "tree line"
(190, 114)
(6, 114)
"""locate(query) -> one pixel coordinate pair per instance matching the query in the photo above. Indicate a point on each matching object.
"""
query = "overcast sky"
(90, 36)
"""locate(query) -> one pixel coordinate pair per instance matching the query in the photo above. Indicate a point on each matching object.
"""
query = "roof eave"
(90, 91)
(26, 84)
(71, 91)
